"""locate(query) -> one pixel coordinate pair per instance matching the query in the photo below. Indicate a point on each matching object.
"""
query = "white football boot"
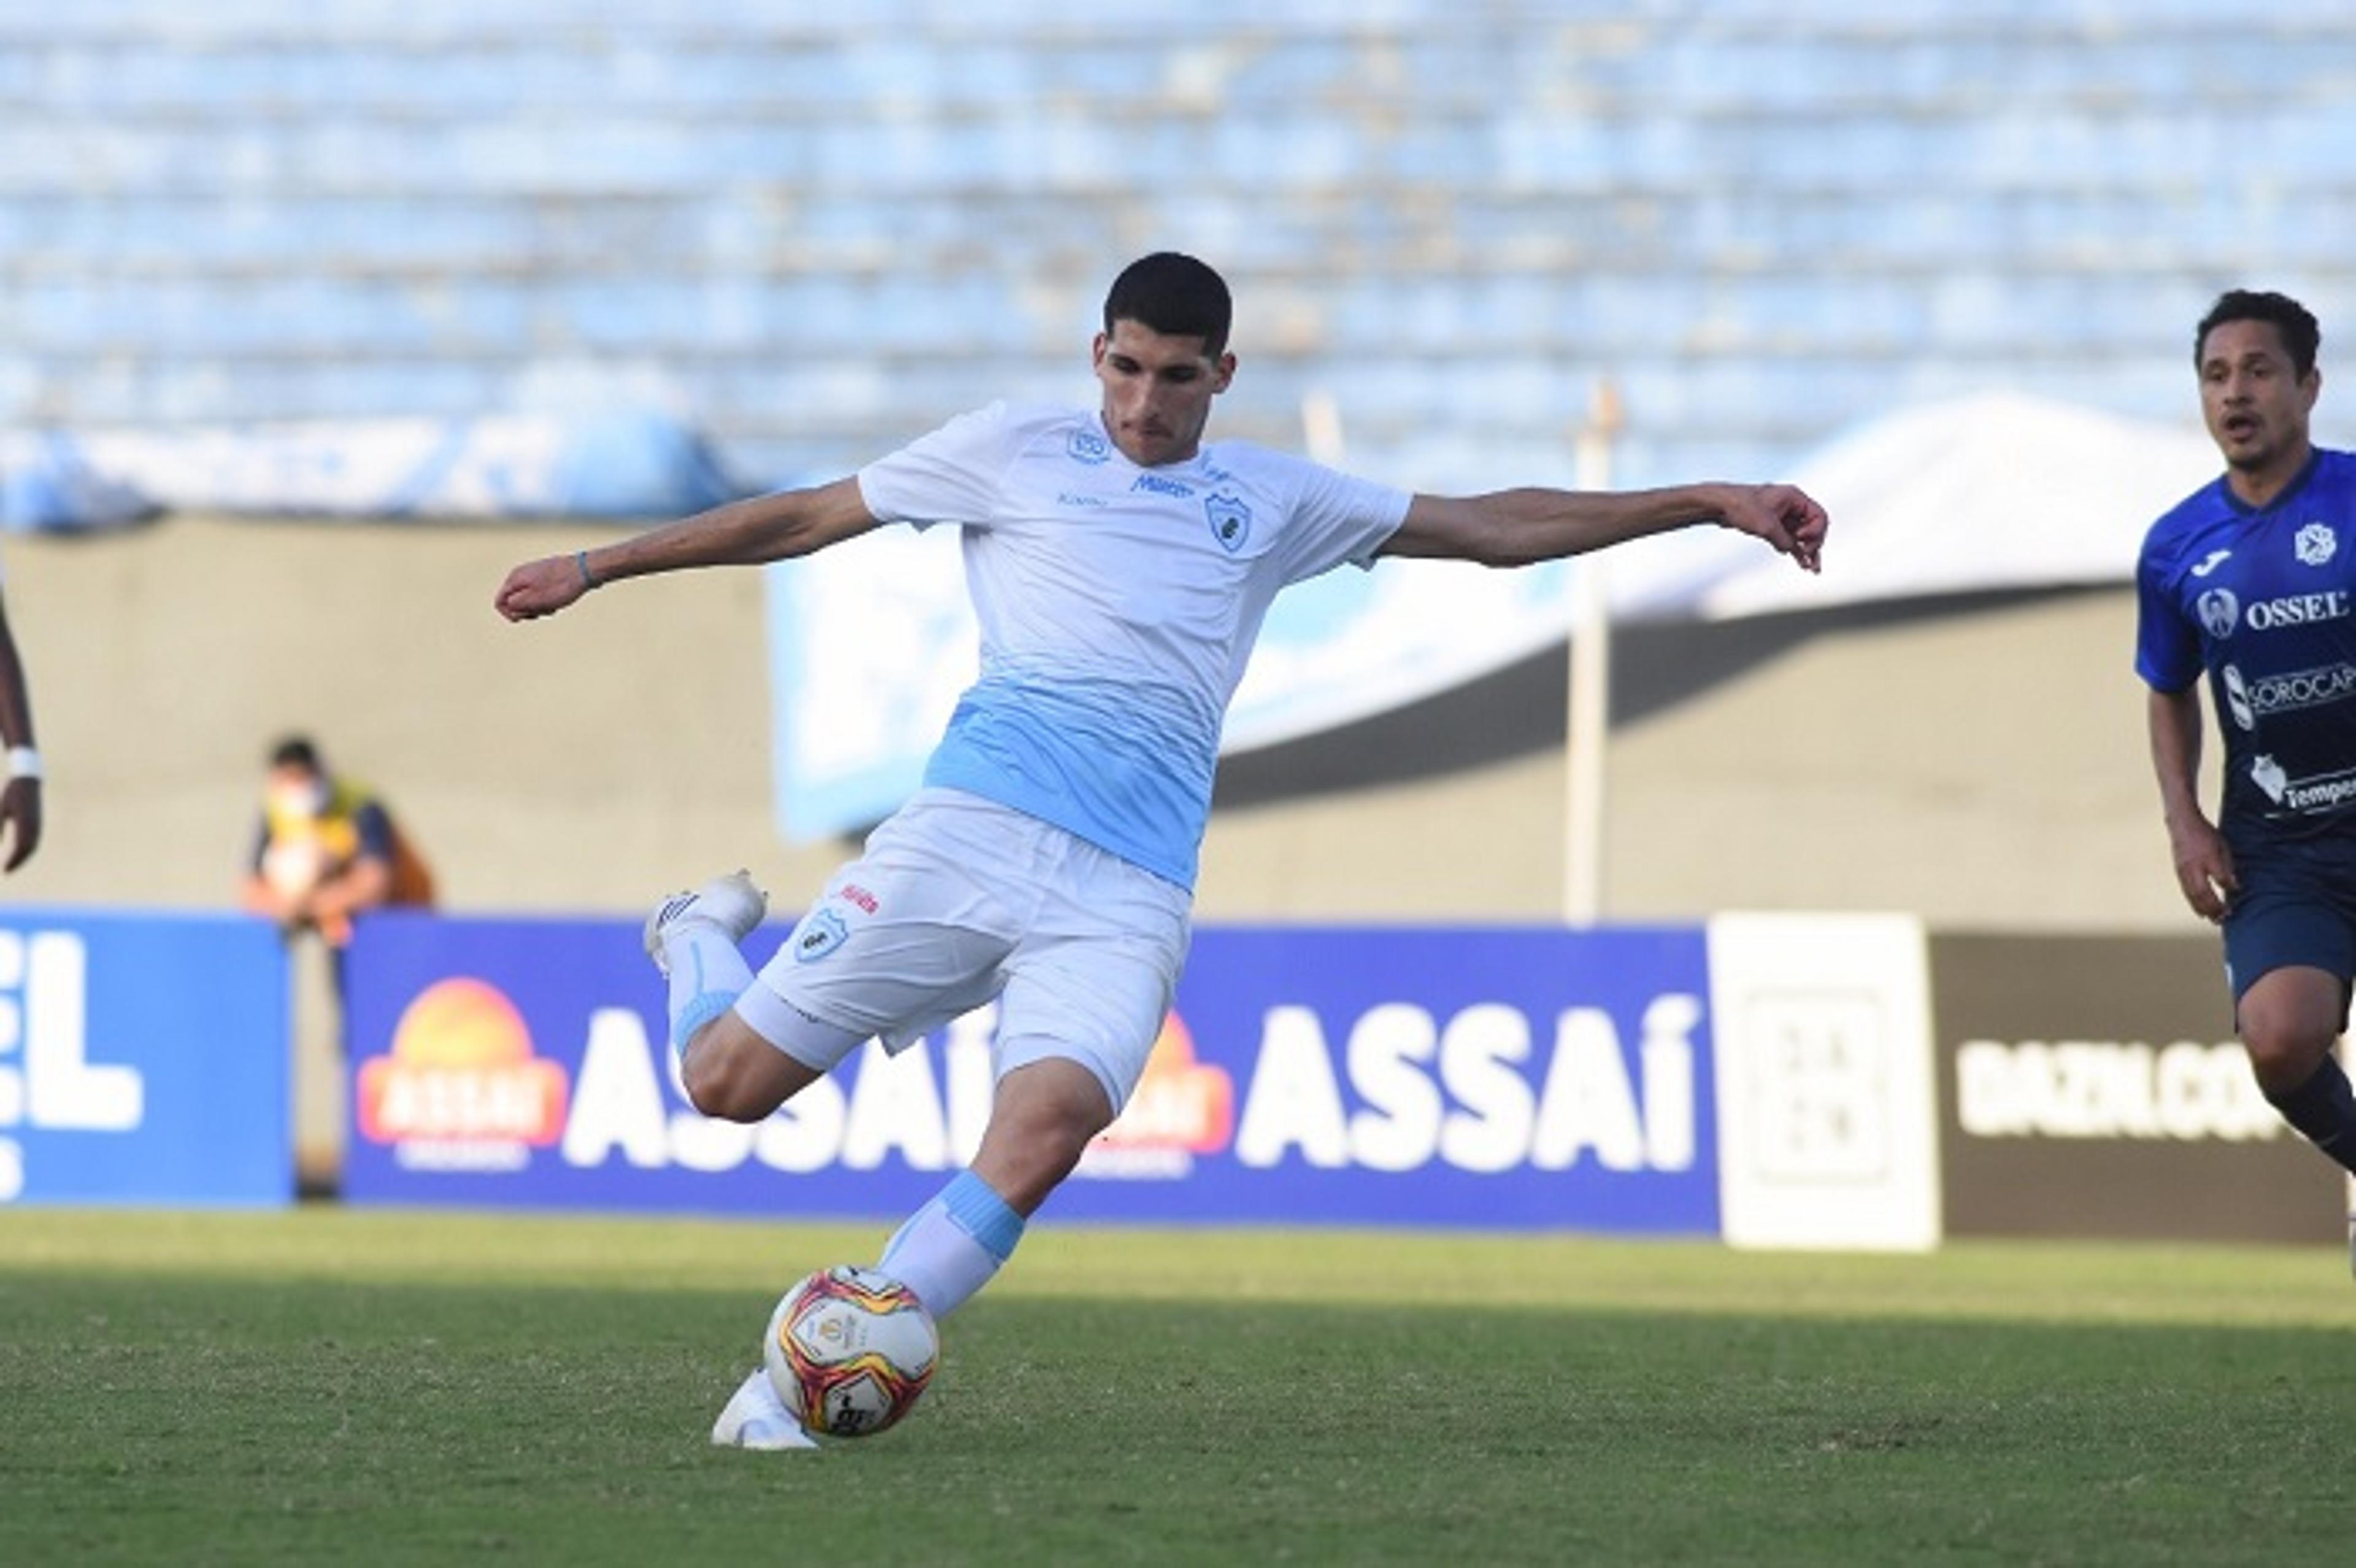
(755, 1417)
(730, 902)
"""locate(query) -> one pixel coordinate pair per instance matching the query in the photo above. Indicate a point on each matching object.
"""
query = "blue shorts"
(2296, 906)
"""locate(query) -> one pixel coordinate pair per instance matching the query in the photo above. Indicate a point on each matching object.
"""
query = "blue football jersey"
(2260, 600)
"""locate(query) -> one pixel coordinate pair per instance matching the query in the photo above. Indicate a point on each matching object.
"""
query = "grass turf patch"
(252, 1389)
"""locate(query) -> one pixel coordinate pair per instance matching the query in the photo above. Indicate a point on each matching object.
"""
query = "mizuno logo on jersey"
(1160, 487)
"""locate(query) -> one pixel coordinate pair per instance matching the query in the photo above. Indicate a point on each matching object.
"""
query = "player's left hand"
(1783, 515)
(540, 588)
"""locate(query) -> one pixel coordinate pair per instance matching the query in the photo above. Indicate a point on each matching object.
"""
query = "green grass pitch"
(330, 1385)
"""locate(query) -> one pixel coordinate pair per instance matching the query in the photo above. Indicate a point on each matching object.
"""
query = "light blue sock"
(951, 1246)
(708, 973)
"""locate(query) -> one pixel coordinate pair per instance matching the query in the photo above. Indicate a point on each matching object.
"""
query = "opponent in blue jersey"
(1119, 569)
(2253, 581)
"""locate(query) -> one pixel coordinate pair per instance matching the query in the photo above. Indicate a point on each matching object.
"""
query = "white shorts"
(958, 901)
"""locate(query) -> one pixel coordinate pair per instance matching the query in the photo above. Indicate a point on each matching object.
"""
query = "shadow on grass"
(189, 1419)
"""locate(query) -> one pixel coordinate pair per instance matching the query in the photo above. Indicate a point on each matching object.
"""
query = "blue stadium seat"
(816, 231)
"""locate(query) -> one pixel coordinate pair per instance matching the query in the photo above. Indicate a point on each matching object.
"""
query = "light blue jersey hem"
(991, 785)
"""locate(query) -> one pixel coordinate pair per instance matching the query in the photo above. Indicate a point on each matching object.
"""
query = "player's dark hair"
(2293, 321)
(1175, 295)
(296, 752)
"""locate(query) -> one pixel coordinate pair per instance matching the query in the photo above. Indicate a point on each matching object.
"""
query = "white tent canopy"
(1991, 492)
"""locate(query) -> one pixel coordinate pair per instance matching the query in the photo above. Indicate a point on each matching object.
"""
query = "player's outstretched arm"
(1516, 528)
(742, 533)
(2205, 863)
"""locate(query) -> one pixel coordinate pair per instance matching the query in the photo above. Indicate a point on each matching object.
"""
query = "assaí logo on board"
(461, 1089)
(1484, 1088)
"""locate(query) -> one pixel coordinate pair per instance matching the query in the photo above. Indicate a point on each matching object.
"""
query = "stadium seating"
(812, 232)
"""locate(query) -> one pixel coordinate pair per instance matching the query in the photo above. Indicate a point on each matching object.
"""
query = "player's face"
(2256, 404)
(1157, 392)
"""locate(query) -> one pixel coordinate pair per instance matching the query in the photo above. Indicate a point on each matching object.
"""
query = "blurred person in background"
(20, 798)
(1120, 569)
(2251, 581)
(327, 849)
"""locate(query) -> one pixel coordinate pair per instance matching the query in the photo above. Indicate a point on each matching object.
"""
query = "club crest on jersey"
(2218, 611)
(821, 934)
(1087, 446)
(2317, 544)
(1230, 521)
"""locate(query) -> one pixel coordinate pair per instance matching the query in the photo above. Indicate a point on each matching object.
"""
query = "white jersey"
(1117, 607)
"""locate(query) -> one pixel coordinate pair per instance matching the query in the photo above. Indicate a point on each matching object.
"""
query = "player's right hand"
(540, 588)
(2204, 869)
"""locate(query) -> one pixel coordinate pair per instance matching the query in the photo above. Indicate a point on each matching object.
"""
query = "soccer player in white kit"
(1119, 569)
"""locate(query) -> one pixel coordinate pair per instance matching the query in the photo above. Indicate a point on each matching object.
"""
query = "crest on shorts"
(1230, 520)
(819, 935)
(2317, 543)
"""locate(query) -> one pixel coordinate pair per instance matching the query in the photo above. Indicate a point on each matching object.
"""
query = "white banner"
(1829, 1129)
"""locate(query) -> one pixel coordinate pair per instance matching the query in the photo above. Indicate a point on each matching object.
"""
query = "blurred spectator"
(327, 849)
(20, 799)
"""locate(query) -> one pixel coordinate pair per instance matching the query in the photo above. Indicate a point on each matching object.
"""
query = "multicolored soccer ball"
(849, 1350)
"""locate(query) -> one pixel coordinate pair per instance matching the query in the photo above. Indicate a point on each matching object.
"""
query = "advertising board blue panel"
(143, 1060)
(1496, 1078)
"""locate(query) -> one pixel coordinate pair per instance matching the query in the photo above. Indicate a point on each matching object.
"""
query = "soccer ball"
(849, 1350)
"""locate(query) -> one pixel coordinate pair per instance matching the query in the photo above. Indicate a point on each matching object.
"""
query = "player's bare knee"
(1066, 1122)
(2284, 1053)
(1035, 1138)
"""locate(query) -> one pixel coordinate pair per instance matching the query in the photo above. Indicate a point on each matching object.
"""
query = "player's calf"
(733, 1074)
(1046, 1115)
